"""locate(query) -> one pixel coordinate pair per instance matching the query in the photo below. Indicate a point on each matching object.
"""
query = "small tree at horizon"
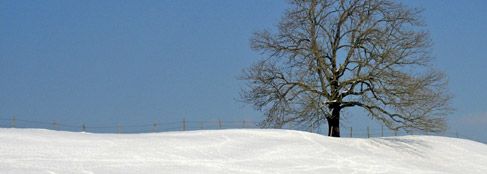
(330, 55)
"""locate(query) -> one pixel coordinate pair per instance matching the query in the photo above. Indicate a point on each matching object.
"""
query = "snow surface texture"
(233, 151)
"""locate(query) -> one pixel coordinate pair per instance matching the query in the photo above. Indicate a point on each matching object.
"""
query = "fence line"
(184, 125)
(156, 126)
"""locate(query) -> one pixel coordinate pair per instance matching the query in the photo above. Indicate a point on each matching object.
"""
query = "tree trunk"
(334, 123)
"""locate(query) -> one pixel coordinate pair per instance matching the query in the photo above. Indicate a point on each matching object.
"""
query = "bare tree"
(329, 55)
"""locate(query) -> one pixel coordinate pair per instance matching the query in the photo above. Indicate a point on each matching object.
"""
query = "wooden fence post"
(368, 132)
(184, 124)
(351, 132)
(119, 128)
(154, 127)
(12, 124)
(382, 130)
(54, 125)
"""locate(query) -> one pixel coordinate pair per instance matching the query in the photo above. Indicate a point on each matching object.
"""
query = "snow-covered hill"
(233, 151)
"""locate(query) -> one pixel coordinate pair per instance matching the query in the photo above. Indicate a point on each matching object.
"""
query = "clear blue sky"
(108, 62)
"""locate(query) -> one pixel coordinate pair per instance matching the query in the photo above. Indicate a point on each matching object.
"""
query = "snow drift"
(233, 151)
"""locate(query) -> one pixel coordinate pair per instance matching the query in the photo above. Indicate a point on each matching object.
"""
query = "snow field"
(239, 151)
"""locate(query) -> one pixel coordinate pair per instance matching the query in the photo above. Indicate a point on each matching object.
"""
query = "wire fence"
(186, 125)
(183, 125)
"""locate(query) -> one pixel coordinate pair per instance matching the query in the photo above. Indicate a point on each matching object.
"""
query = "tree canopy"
(330, 55)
